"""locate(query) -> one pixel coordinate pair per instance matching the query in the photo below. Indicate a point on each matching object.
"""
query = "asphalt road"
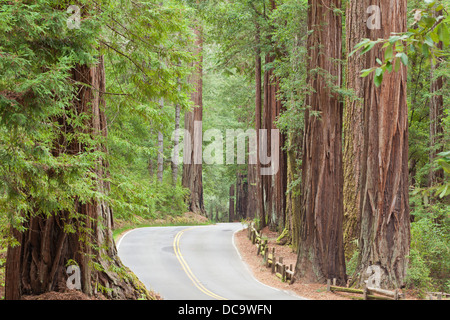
(193, 263)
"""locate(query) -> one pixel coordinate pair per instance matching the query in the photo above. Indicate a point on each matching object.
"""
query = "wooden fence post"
(266, 253)
(274, 261)
(258, 247)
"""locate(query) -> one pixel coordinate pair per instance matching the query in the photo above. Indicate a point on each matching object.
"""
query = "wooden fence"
(282, 271)
(367, 293)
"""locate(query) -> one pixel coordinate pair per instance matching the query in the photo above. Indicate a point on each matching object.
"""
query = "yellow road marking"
(187, 270)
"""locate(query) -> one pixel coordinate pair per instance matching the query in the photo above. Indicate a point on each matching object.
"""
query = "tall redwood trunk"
(192, 166)
(385, 221)
(275, 184)
(255, 207)
(321, 251)
(39, 263)
(353, 123)
(267, 125)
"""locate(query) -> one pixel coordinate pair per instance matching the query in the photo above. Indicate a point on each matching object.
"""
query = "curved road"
(193, 263)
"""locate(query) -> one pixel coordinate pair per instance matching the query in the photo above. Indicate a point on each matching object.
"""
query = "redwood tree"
(352, 124)
(192, 158)
(385, 231)
(255, 206)
(321, 251)
(275, 185)
(49, 243)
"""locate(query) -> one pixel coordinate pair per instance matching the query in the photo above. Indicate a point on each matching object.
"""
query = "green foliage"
(232, 26)
(133, 196)
(444, 189)
(418, 272)
(428, 30)
(290, 67)
(132, 146)
(37, 52)
(153, 63)
(429, 267)
(352, 263)
(146, 58)
(228, 102)
(148, 55)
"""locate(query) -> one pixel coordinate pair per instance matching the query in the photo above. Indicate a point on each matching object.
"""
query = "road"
(193, 263)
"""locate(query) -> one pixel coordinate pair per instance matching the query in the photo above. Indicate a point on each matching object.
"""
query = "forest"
(325, 121)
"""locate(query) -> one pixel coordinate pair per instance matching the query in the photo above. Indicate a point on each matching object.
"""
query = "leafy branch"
(428, 32)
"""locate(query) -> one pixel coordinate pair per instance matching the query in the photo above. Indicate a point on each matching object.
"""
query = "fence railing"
(282, 271)
(367, 293)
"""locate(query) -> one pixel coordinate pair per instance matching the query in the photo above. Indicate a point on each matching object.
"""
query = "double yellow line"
(187, 270)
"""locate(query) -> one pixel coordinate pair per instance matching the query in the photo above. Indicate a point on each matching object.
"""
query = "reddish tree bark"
(255, 208)
(274, 186)
(353, 123)
(385, 221)
(321, 251)
(192, 166)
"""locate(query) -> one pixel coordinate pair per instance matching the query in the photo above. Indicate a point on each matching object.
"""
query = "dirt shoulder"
(264, 275)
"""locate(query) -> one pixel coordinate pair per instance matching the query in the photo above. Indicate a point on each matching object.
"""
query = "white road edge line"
(251, 272)
(245, 264)
(121, 238)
